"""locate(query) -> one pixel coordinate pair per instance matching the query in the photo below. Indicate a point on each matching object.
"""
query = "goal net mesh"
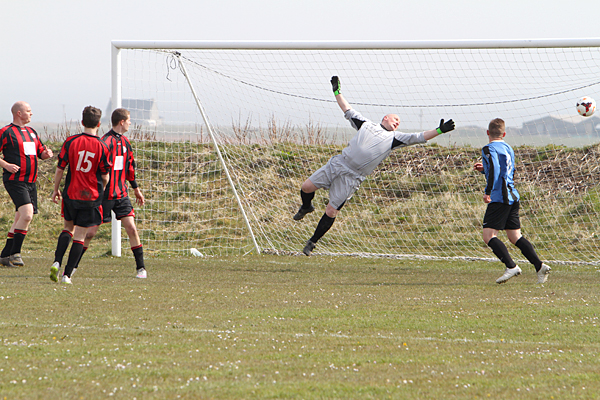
(276, 121)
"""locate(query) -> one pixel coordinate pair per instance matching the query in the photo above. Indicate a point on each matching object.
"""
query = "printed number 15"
(84, 158)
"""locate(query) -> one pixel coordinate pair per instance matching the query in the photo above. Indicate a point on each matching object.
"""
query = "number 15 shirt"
(87, 158)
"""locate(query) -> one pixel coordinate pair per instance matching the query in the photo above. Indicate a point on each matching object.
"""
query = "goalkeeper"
(345, 172)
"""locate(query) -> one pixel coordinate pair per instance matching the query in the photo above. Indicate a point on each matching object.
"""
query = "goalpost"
(224, 134)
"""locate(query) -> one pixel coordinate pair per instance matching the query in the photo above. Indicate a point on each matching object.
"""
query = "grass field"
(297, 328)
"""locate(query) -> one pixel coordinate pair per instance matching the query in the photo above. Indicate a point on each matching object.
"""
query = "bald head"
(390, 122)
(21, 112)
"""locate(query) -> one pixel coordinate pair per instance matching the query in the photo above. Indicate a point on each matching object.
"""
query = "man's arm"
(12, 168)
(490, 161)
(105, 179)
(57, 178)
(139, 197)
(336, 86)
(443, 128)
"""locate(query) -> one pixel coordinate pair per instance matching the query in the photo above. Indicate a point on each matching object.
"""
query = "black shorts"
(22, 193)
(502, 216)
(84, 217)
(121, 207)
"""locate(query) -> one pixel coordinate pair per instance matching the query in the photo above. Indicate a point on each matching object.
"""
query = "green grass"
(297, 328)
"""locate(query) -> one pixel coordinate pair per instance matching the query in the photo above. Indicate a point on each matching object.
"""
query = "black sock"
(306, 198)
(501, 252)
(8, 246)
(527, 249)
(322, 228)
(82, 253)
(74, 257)
(138, 253)
(18, 241)
(64, 239)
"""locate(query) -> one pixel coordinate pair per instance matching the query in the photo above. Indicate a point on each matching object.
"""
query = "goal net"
(225, 133)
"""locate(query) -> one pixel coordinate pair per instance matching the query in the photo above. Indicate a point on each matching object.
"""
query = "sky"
(56, 54)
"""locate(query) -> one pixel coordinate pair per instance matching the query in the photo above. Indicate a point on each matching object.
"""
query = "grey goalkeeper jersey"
(373, 143)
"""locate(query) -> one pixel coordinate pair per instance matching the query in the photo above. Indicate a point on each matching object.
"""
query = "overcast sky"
(56, 54)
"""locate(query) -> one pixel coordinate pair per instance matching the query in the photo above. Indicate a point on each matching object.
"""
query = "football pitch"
(298, 328)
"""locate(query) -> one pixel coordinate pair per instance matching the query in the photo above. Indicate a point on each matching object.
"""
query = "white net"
(276, 122)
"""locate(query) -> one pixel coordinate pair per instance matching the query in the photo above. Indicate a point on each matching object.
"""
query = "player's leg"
(64, 240)
(494, 220)
(16, 194)
(515, 237)
(341, 189)
(490, 236)
(136, 245)
(24, 196)
(513, 231)
(4, 256)
(83, 220)
(91, 232)
(323, 226)
(79, 233)
(542, 270)
(307, 193)
(25, 216)
(124, 212)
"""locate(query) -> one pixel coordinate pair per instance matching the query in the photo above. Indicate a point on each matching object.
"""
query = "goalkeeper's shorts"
(341, 180)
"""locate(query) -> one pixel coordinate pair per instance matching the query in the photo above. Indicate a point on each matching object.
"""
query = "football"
(586, 106)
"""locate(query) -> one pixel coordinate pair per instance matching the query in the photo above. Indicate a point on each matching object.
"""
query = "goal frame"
(118, 45)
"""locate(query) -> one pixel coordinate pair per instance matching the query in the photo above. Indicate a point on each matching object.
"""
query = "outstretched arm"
(336, 86)
(443, 128)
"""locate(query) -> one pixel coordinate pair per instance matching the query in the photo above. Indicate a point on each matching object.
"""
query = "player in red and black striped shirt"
(21, 147)
(87, 158)
(115, 196)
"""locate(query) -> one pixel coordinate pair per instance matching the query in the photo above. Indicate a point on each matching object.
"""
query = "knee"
(487, 237)
(308, 187)
(89, 236)
(513, 236)
(130, 230)
(331, 212)
(514, 239)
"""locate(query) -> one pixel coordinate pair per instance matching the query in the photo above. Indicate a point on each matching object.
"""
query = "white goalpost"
(224, 134)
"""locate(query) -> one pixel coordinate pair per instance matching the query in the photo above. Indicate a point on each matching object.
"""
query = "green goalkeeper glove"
(445, 126)
(336, 85)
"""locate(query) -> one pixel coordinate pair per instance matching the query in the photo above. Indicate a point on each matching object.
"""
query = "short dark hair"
(120, 114)
(497, 127)
(91, 117)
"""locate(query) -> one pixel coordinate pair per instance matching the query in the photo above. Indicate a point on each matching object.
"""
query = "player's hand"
(139, 197)
(487, 198)
(336, 85)
(47, 153)
(445, 126)
(478, 167)
(12, 168)
(55, 196)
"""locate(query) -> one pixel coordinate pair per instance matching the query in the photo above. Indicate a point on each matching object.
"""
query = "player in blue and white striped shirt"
(502, 198)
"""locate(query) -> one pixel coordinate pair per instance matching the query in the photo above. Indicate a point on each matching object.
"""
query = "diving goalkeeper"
(345, 172)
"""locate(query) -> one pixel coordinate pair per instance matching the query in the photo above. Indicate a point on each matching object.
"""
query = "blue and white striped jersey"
(499, 169)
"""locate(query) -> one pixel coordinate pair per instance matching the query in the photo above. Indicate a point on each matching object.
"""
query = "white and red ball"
(586, 106)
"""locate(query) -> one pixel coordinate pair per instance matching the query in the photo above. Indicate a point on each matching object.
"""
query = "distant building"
(143, 112)
(555, 125)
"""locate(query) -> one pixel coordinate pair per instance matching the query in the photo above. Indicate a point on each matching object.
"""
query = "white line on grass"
(403, 339)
